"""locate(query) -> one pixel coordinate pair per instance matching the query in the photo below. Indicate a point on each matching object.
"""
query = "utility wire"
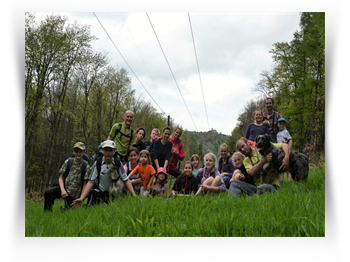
(127, 63)
(171, 71)
(200, 79)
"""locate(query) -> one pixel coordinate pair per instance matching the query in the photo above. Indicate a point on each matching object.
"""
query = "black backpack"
(82, 168)
(121, 134)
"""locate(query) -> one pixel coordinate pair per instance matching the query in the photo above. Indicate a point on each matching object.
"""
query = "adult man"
(270, 118)
(102, 175)
(177, 153)
(73, 177)
(253, 164)
(123, 135)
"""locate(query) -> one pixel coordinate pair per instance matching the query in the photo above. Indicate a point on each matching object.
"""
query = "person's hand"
(232, 179)
(175, 151)
(64, 194)
(267, 158)
(224, 174)
(77, 203)
(241, 176)
(205, 187)
(148, 187)
(266, 122)
(285, 164)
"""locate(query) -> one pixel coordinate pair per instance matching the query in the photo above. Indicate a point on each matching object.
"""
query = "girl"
(140, 135)
(146, 172)
(210, 178)
(160, 183)
(195, 162)
(186, 183)
(256, 128)
(133, 157)
(240, 173)
(225, 167)
(162, 149)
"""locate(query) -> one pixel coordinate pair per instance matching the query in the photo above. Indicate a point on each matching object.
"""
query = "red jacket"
(175, 158)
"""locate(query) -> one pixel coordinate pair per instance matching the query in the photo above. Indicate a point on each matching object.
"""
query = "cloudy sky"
(158, 51)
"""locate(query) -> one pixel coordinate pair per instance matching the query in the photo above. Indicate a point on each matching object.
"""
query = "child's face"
(154, 134)
(78, 153)
(195, 162)
(281, 125)
(161, 176)
(108, 153)
(238, 160)
(140, 135)
(188, 169)
(258, 117)
(143, 159)
(209, 162)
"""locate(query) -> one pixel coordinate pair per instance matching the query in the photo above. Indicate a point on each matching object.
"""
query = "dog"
(117, 186)
(298, 162)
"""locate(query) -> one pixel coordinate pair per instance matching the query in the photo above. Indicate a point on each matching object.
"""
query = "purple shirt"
(202, 176)
(228, 167)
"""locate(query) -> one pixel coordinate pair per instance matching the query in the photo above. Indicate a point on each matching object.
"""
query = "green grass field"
(297, 209)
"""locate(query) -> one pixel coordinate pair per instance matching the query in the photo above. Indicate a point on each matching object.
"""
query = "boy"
(283, 136)
(73, 177)
(149, 144)
(108, 166)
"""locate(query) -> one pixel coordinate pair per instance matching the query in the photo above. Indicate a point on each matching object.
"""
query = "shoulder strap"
(117, 131)
(83, 172)
(69, 165)
(180, 146)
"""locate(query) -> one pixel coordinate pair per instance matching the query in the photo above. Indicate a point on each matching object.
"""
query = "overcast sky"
(232, 50)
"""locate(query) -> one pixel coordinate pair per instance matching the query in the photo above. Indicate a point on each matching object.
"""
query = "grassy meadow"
(296, 210)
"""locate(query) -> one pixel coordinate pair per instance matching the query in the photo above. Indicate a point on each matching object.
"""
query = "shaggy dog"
(117, 186)
(298, 162)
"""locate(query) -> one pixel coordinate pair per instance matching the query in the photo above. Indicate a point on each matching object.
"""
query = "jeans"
(227, 181)
(238, 187)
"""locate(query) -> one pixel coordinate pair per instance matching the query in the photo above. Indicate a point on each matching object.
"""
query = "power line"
(127, 63)
(171, 71)
(200, 79)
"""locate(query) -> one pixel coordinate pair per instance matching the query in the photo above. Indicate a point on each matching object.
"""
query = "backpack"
(228, 157)
(83, 171)
(121, 134)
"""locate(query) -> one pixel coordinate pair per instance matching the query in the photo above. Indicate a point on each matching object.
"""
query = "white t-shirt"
(283, 136)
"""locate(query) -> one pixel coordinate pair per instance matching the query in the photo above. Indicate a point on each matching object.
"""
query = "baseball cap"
(281, 119)
(108, 143)
(79, 145)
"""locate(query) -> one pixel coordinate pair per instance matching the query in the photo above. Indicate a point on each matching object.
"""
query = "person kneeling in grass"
(186, 184)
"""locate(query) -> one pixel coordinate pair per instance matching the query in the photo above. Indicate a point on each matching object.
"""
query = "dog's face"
(263, 142)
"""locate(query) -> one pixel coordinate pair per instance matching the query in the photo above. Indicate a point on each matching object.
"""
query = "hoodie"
(175, 158)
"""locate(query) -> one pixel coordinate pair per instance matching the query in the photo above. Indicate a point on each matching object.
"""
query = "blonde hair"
(238, 154)
(224, 145)
(157, 130)
(212, 155)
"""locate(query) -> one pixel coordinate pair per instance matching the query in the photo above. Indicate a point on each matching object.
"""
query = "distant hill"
(211, 141)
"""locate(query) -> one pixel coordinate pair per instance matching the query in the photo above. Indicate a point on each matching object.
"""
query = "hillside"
(210, 140)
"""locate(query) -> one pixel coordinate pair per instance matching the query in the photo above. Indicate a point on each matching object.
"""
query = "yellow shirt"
(249, 162)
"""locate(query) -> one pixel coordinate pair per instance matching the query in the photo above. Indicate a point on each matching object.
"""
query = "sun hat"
(79, 145)
(282, 119)
(162, 170)
(108, 143)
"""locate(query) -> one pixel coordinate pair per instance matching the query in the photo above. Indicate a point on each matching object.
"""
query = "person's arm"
(131, 174)
(220, 164)
(77, 202)
(150, 182)
(285, 161)
(247, 133)
(129, 187)
(254, 170)
(181, 154)
(64, 193)
(165, 164)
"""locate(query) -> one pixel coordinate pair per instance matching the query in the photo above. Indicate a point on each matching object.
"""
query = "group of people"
(144, 167)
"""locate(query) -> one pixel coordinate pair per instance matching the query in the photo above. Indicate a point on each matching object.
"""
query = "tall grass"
(297, 209)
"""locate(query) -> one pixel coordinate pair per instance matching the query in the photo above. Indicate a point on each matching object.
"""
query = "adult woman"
(210, 178)
(162, 149)
(256, 128)
(225, 167)
(133, 157)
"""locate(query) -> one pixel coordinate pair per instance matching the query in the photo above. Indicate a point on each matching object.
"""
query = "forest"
(72, 93)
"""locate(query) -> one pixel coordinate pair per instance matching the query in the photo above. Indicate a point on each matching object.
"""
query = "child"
(209, 177)
(195, 161)
(186, 183)
(160, 183)
(73, 177)
(146, 172)
(283, 136)
(240, 173)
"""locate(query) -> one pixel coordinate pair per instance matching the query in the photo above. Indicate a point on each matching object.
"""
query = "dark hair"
(165, 128)
(271, 100)
(177, 129)
(146, 152)
(132, 149)
(189, 162)
(144, 131)
(195, 155)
